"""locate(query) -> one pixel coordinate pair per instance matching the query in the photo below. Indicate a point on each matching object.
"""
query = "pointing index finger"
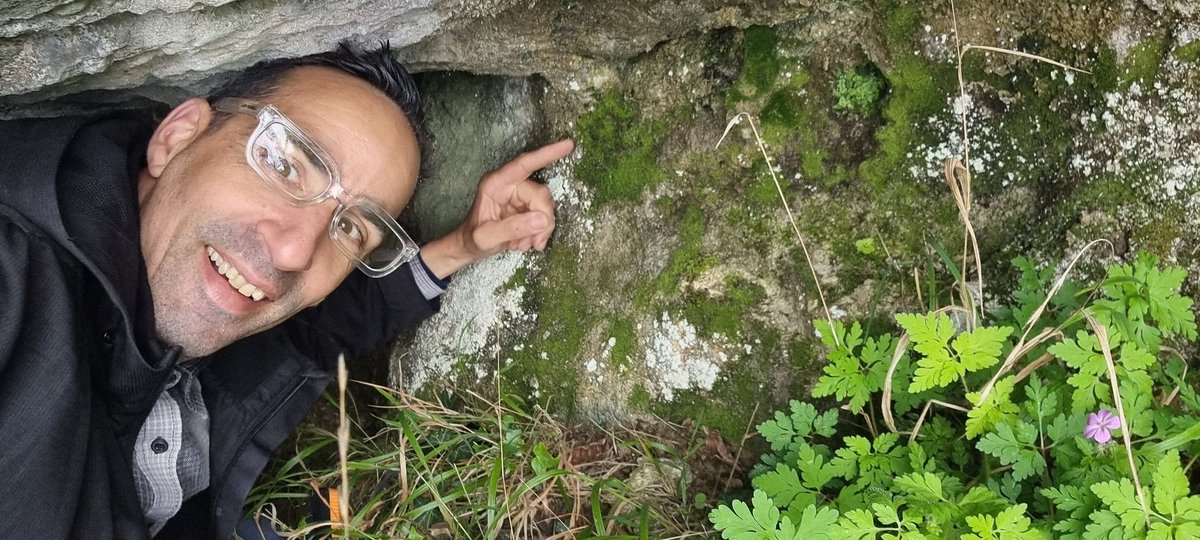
(530, 162)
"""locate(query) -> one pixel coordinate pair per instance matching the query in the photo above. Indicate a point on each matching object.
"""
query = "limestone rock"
(51, 50)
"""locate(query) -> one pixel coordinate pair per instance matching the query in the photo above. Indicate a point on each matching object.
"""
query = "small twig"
(917, 282)
(912, 436)
(1166, 401)
(885, 400)
(960, 188)
(870, 425)
(1033, 366)
(741, 444)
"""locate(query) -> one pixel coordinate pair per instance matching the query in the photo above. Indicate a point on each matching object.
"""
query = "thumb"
(490, 237)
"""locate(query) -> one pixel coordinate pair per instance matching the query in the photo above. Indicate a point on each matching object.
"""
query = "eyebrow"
(340, 165)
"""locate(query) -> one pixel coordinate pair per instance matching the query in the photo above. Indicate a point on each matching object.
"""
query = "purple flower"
(1099, 424)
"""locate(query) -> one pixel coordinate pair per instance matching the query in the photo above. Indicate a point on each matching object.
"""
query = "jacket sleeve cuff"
(430, 285)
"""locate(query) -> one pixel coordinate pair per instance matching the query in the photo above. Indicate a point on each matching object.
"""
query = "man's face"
(199, 198)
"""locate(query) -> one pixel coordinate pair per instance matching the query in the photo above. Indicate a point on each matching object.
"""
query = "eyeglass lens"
(296, 170)
(367, 234)
(290, 163)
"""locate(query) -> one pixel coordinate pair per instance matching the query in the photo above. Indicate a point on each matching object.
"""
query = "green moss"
(624, 345)
(639, 398)
(802, 126)
(687, 262)
(726, 314)
(812, 163)
(1144, 60)
(782, 110)
(749, 382)
(1105, 73)
(762, 193)
(1160, 233)
(1189, 52)
(760, 61)
(518, 279)
(564, 318)
(899, 23)
(915, 95)
(619, 151)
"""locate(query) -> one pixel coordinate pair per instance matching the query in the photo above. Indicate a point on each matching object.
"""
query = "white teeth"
(236, 280)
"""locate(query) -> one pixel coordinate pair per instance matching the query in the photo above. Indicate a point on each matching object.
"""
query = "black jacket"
(81, 366)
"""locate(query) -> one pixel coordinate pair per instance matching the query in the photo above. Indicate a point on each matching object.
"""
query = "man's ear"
(178, 130)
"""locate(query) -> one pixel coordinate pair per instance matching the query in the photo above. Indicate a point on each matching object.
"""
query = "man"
(173, 305)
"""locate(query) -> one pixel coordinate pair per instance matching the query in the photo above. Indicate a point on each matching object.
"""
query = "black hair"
(377, 67)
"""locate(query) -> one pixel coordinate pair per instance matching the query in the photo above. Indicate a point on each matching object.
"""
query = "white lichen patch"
(987, 146)
(572, 197)
(678, 359)
(477, 306)
(1146, 137)
(601, 362)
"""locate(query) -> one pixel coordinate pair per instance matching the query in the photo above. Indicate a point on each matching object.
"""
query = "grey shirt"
(170, 457)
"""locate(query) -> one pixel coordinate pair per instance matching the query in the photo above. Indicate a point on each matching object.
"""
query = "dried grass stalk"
(1021, 348)
(787, 207)
(343, 446)
(885, 400)
(1102, 336)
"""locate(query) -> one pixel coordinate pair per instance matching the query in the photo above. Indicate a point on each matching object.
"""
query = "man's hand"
(510, 212)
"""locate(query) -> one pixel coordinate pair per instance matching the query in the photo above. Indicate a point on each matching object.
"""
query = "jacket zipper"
(250, 435)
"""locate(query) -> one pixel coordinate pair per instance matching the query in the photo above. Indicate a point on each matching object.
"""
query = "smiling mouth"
(235, 279)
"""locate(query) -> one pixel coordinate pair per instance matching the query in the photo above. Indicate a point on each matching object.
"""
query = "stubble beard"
(186, 316)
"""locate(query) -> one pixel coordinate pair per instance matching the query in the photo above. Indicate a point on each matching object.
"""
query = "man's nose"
(295, 235)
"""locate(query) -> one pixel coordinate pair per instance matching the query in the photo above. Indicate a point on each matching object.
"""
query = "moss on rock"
(619, 150)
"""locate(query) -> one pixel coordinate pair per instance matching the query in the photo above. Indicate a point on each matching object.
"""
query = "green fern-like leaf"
(1121, 499)
(856, 367)
(931, 334)
(1074, 503)
(1144, 302)
(857, 524)
(997, 408)
(1170, 484)
(873, 463)
(944, 361)
(759, 521)
(783, 486)
(1091, 381)
(1015, 447)
(923, 487)
(980, 348)
(1009, 524)
(786, 432)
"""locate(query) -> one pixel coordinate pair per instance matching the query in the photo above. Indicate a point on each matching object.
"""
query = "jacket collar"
(90, 207)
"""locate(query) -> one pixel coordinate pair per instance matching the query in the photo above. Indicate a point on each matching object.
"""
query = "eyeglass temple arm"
(237, 105)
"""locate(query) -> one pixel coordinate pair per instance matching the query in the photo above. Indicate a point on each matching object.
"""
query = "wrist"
(446, 255)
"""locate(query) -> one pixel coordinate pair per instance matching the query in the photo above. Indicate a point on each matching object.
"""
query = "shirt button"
(159, 445)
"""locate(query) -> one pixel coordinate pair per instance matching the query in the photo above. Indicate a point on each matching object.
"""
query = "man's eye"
(352, 231)
(282, 167)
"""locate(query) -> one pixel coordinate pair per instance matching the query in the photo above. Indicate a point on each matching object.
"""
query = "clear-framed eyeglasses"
(295, 166)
